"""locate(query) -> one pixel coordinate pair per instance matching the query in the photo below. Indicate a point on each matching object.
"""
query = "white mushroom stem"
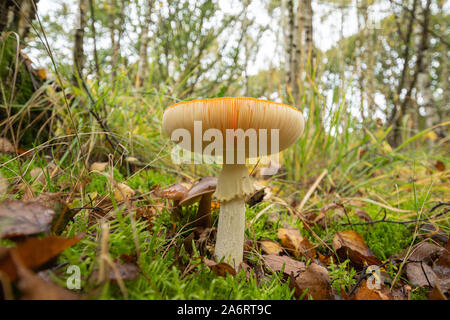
(230, 232)
(232, 187)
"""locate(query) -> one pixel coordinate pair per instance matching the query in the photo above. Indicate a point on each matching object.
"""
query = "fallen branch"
(440, 204)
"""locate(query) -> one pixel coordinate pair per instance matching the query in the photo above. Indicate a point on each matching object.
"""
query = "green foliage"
(386, 239)
(160, 278)
(101, 183)
(146, 179)
(419, 293)
(342, 276)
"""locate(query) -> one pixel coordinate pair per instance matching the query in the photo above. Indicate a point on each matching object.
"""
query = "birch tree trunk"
(143, 48)
(79, 57)
(94, 38)
(443, 112)
(309, 45)
(116, 31)
(290, 46)
(359, 56)
(423, 76)
(245, 24)
(301, 47)
(295, 63)
(422, 48)
(395, 118)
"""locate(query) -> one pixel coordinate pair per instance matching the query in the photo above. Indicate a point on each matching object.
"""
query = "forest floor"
(110, 224)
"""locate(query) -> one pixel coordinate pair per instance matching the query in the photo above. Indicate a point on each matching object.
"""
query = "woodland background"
(86, 82)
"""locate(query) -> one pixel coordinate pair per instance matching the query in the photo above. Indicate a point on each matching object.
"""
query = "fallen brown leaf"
(33, 253)
(256, 198)
(123, 192)
(314, 282)
(436, 294)
(6, 146)
(429, 266)
(277, 263)
(420, 274)
(441, 268)
(270, 247)
(49, 199)
(292, 240)
(440, 165)
(325, 260)
(127, 271)
(18, 218)
(33, 287)
(365, 293)
(98, 166)
(350, 244)
(221, 269)
(424, 252)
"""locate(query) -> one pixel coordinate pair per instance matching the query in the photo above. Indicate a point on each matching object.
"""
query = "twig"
(405, 221)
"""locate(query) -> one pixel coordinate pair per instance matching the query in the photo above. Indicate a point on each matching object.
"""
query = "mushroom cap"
(206, 185)
(175, 192)
(235, 113)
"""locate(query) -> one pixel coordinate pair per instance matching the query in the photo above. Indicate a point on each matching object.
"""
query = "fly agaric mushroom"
(230, 117)
(201, 191)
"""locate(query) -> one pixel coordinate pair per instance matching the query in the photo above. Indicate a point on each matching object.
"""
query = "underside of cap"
(283, 122)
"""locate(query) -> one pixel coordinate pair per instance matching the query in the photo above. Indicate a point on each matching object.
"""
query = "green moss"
(162, 280)
(23, 87)
(386, 239)
(146, 179)
(419, 293)
(100, 183)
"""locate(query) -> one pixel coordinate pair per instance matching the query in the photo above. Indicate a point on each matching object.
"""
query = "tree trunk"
(15, 15)
(309, 45)
(395, 118)
(424, 85)
(290, 81)
(116, 31)
(143, 48)
(361, 16)
(443, 112)
(5, 7)
(423, 46)
(79, 57)
(94, 38)
(19, 79)
(285, 38)
(245, 24)
(300, 49)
